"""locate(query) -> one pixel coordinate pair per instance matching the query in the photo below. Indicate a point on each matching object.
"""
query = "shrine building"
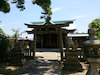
(51, 35)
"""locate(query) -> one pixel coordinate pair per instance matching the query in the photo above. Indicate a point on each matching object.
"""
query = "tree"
(96, 25)
(16, 33)
(44, 4)
(2, 32)
(5, 47)
(4, 6)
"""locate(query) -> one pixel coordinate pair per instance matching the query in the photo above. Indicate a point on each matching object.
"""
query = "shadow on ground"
(5, 69)
(42, 67)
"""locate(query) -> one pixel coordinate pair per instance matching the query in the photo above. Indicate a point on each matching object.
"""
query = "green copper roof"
(53, 22)
(64, 21)
(37, 23)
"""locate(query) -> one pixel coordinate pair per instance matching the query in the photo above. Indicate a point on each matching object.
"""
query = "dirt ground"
(46, 63)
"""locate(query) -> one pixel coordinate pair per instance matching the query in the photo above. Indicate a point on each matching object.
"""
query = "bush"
(5, 48)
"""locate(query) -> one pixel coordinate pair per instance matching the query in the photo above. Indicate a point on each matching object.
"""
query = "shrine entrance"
(50, 41)
(49, 35)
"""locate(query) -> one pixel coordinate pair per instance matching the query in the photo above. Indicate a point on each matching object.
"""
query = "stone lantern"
(92, 52)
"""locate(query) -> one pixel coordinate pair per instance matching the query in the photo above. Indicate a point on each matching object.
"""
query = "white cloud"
(82, 16)
(57, 9)
(1, 25)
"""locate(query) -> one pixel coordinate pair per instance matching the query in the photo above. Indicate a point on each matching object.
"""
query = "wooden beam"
(29, 32)
(47, 32)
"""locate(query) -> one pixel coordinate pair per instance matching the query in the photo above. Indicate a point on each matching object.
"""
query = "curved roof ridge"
(53, 22)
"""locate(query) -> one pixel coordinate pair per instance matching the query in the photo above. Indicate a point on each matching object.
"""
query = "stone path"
(45, 64)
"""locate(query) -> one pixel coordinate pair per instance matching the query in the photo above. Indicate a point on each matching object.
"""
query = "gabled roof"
(52, 22)
(55, 23)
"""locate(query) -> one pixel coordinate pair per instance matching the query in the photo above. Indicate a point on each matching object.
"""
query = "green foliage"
(1, 32)
(17, 33)
(96, 25)
(5, 47)
(19, 4)
(4, 6)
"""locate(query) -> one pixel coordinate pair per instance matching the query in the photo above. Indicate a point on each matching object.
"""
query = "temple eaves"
(57, 23)
(41, 27)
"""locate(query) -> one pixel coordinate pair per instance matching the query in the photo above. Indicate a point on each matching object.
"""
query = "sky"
(82, 11)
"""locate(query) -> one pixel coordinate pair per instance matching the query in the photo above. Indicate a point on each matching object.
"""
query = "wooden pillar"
(41, 40)
(61, 44)
(57, 42)
(66, 46)
(34, 48)
(49, 41)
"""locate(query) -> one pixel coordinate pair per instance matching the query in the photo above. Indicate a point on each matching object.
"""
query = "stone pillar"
(34, 45)
(61, 44)
(71, 63)
(66, 46)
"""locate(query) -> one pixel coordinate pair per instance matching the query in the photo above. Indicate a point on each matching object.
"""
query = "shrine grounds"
(47, 62)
